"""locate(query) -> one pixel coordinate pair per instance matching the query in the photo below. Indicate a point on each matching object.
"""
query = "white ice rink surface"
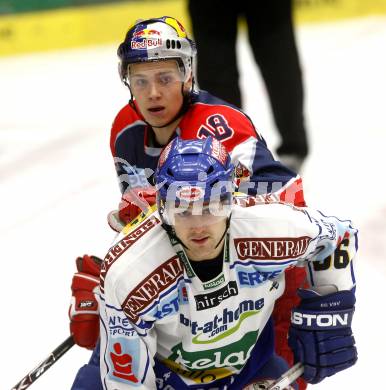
(58, 182)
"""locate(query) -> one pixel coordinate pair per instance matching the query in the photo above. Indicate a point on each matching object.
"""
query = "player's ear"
(188, 83)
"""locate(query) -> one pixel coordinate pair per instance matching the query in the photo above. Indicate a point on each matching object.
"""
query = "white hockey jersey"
(157, 315)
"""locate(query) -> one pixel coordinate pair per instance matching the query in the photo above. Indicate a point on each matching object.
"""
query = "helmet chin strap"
(225, 231)
(172, 233)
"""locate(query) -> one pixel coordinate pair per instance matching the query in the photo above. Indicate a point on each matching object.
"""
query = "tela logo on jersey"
(232, 355)
(197, 376)
(206, 301)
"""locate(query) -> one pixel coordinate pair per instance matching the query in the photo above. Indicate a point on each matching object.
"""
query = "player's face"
(200, 234)
(157, 89)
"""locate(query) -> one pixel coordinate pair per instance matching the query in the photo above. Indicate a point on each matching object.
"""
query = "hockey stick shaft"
(45, 364)
(288, 377)
(51, 359)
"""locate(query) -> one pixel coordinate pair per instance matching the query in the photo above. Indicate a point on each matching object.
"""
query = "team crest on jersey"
(241, 172)
(123, 360)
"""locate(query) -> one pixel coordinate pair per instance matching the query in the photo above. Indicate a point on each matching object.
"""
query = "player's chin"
(201, 250)
(159, 120)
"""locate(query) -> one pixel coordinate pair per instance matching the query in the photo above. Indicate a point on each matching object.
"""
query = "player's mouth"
(156, 110)
(200, 240)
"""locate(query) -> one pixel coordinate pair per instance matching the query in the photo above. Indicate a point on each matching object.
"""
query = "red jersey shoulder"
(222, 122)
(125, 117)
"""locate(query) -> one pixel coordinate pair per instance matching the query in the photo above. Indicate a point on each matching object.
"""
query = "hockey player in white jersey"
(188, 292)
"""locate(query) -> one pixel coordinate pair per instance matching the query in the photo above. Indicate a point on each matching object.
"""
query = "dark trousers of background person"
(271, 37)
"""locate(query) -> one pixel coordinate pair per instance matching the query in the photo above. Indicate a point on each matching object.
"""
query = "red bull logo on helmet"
(146, 33)
(146, 39)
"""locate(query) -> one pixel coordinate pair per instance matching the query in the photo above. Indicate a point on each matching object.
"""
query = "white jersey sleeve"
(280, 235)
(120, 369)
(330, 263)
(128, 343)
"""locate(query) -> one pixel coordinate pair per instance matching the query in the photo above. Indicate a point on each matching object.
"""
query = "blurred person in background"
(272, 40)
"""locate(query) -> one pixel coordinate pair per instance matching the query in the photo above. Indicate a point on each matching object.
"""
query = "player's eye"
(166, 79)
(139, 82)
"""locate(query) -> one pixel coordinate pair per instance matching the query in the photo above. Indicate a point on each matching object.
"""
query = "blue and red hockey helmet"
(156, 39)
(194, 172)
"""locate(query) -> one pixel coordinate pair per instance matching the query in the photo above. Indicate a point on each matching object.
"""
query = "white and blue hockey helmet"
(194, 177)
(157, 39)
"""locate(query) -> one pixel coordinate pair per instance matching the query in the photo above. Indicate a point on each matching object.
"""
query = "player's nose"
(197, 225)
(154, 90)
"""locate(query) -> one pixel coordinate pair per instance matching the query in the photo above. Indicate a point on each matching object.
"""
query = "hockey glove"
(84, 310)
(133, 202)
(320, 335)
